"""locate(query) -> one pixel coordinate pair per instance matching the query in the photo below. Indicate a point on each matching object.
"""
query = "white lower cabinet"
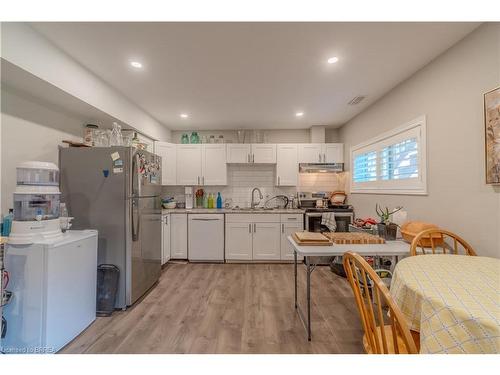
(165, 239)
(287, 229)
(178, 236)
(266, 241)
(238, 241)
(261, 237)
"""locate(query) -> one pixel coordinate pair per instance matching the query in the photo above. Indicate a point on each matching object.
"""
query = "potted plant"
(386, 229)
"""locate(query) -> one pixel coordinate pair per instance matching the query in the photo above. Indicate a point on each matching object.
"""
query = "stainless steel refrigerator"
(116, 190)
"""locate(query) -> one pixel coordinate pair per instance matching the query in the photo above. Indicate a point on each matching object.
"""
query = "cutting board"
(311, 239)
(349, 238)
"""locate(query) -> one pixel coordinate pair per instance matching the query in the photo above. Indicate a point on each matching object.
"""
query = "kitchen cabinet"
(238, 153)
(310, 153)
(286, 165)
(168, 154)
(252, 237)
(261, 153)
(165, 239)
(333, 153)
(321, 153)
(289, 225)
(214, 167)
(201, 164)
(178, 236)
(189, 164)
(266, 241)
(238, 241)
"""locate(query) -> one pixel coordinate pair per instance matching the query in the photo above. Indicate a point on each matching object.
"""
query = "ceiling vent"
(356, 100)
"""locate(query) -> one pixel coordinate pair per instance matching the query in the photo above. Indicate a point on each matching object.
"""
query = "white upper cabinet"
(214, 167)
(321, 153)
(168, 162)
(188, 164)
(201, 164)
(310, 153)
(238, 153)
(263, 153)
(287, 167)
(333, 153)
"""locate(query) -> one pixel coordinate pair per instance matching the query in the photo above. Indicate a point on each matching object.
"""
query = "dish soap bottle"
(210, 200)
(219, 200)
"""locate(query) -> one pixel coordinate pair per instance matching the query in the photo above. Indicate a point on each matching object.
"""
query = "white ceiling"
(253, 75)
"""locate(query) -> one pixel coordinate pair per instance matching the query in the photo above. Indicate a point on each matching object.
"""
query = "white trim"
(406, 186)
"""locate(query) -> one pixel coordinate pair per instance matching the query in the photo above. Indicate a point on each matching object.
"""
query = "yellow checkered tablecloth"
(452, 300)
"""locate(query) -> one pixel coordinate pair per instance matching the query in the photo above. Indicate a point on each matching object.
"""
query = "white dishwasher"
(206, 237)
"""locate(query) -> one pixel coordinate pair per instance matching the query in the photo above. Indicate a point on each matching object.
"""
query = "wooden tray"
(303, 242)
(349, 238)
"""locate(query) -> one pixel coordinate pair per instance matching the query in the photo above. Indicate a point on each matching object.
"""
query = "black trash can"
(107, 287)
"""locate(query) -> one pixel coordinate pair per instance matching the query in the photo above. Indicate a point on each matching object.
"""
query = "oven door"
(342, 219)
(313, 222)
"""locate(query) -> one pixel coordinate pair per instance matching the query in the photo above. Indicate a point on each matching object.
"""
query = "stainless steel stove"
(315, 203)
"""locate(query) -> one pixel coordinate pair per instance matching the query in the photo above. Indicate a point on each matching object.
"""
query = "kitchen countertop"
(232, 211)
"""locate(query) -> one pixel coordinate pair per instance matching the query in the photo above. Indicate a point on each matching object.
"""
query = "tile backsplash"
(241, 179)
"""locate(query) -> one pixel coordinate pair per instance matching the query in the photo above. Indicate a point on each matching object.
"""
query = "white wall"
(24, 47)
(30, 131)
(449, 91)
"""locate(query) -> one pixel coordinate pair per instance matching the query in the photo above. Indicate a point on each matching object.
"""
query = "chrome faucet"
(253, 204)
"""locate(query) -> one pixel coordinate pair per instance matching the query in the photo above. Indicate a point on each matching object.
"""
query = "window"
(392, 163)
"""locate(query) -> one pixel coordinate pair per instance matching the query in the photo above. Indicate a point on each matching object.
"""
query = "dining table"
(453, 301)
(310, 253)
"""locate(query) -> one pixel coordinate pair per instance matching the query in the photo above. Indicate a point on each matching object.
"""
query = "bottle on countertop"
(219, 200)
(7, 223)
(210, 200)
(205, 201)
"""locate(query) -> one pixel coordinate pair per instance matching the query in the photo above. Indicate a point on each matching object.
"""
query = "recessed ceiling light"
(299, 114)
(184, 115)
(136, 64)
(333, 60)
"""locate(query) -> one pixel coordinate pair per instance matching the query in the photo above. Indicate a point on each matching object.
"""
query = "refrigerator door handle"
(135, 220)
(143, 196)
(136, 179)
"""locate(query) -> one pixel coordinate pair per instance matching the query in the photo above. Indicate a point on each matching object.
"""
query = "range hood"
(321, 167)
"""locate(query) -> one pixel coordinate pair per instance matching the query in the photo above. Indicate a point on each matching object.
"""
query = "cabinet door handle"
(255, 228)
(324, 158)
(253, 158)
(282, 228)
(292, 218)
(248, 158)
(319, 156)
(249, 228)
(166, 220)
(203, 180)
(278, 180)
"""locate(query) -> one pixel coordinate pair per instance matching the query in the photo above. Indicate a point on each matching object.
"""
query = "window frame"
(415, 186)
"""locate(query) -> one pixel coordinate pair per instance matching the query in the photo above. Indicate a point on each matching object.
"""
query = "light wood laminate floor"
(230, 308)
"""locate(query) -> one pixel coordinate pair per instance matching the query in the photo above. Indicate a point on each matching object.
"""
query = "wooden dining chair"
(376, 307)
(440, 241)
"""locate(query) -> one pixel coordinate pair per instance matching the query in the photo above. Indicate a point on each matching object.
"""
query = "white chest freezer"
(54, 292)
